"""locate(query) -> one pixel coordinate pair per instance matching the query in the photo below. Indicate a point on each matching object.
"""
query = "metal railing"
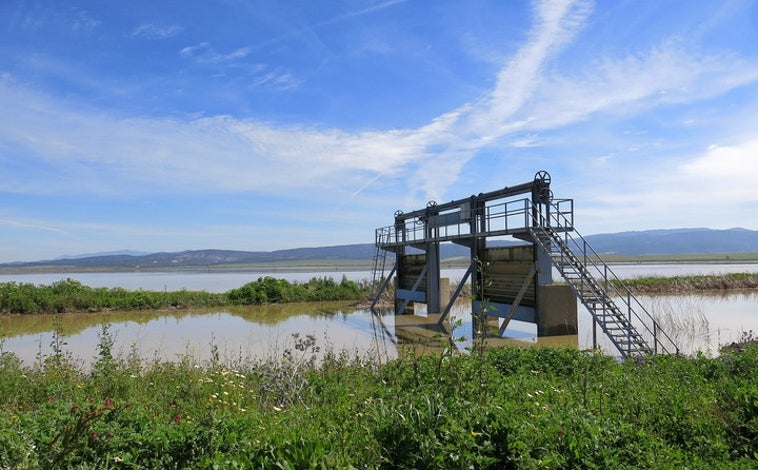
(613, 287)
(505, 218)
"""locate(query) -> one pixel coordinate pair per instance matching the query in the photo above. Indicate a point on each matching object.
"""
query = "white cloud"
(31, 225)
(152, 31)
(666, 74)
(716, 188)
(226, 154)
(204, 53)
(723, 174)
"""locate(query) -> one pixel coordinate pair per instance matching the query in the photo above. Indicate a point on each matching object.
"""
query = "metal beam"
(456, 294)
(518, 298)
(413, 289)
(384, 286)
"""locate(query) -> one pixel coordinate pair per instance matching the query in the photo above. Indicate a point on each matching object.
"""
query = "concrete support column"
(557, 311)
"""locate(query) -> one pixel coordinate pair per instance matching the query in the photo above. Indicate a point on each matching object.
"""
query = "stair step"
(591, 290)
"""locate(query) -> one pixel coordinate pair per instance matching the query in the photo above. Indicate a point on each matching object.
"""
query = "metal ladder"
(380, 264)
(631, 329)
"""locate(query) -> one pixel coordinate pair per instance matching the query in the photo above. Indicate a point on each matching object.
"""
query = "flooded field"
(697, 322)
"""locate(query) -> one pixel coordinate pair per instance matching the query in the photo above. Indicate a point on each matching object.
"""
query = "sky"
(263, 125)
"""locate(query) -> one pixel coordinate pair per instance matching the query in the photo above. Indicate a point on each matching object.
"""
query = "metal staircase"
(631, 329)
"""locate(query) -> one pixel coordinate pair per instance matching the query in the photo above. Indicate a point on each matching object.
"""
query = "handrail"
(592, 259)
(504, 218)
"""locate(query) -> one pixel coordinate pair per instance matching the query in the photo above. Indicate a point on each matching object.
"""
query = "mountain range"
(651, 242)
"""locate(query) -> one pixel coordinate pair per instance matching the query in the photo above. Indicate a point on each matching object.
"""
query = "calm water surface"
(699, 322)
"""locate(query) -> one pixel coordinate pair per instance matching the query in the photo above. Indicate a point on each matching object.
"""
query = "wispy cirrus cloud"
(205, 53)
(153, 31)
(221, 153)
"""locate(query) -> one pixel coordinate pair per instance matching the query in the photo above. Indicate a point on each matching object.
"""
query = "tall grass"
(684, 322)
(507, 408)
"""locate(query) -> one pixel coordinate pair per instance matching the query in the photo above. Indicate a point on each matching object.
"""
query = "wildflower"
(118, 459)
(94, 435)
(108, 402)
(177, 418)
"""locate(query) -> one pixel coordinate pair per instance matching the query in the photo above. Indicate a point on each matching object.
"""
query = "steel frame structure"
(468, 222)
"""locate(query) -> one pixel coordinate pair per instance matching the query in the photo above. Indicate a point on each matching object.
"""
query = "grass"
(507, 408)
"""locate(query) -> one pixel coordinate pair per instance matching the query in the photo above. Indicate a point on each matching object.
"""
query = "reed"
(691, 284)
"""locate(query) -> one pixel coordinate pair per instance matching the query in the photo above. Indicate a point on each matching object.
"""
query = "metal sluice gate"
(513, 281)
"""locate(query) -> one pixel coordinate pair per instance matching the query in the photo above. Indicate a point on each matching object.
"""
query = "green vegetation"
(683, 284)
(507, 408)
(70, 295)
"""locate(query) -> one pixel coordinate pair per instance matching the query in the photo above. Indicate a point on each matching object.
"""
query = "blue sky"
(263, 125)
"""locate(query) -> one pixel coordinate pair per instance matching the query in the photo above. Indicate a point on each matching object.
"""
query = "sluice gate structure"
(514, 282)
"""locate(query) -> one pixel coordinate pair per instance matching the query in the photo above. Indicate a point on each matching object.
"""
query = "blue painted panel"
(415, 296)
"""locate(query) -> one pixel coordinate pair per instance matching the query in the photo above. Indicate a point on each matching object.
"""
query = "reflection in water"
(698, 323)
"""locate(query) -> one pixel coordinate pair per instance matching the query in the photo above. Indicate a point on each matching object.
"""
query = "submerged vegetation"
(70, 295)
(506, 408)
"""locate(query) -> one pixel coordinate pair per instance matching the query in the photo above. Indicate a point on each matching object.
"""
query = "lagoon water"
(701, 322)
(221, 281)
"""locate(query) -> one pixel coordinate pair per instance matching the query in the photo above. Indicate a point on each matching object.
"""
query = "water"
(700, 322)
(222, 281)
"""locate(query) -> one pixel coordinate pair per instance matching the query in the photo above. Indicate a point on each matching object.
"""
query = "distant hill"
(108, 253)
(676, 242)
(200, 258)
(651, 242)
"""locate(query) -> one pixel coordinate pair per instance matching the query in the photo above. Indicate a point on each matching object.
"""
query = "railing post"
(526, 214)
(594, 333)
(655, 337)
